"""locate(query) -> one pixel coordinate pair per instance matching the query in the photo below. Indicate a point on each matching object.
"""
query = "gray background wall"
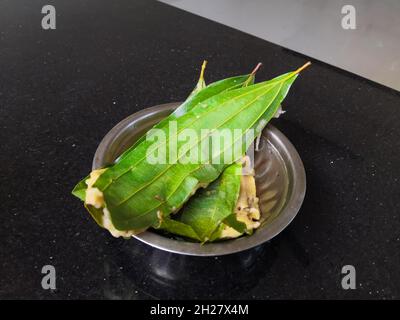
(313, 27)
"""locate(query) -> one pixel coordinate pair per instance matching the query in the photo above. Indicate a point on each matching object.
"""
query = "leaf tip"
(258, 66)
(203, 67)
(303, 67)
(252, 75)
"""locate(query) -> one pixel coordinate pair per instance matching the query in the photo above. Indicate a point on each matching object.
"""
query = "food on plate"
(185, 176)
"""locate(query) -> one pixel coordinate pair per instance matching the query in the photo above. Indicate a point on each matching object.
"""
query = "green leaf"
(205, 211)
(209, 207)
(232, 222)
(178, 228)
(216, 235)
(80, 189)
(136, 191)
(97, 214)
(198, 95)
(138, 194)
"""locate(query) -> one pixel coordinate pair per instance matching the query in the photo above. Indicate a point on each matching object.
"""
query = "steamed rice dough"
(95, 198)
(247, 209)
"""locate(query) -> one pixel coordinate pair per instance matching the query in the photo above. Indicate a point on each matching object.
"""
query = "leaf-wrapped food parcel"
(227, 208)
(136, 194)
(204, 212)
(199, 94)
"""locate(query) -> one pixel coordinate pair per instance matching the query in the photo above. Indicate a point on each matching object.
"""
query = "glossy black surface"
(62, 90)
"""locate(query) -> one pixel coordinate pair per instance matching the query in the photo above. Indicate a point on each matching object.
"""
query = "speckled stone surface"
(62, 90)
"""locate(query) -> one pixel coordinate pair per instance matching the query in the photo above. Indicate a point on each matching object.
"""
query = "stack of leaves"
(134, 194)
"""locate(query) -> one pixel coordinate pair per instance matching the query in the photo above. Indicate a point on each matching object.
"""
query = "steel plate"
(280, 180)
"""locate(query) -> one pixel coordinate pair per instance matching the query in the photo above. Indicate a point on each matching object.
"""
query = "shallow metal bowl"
(280, 180)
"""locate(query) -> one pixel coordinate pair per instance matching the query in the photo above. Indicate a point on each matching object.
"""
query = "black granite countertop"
(62, 90)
